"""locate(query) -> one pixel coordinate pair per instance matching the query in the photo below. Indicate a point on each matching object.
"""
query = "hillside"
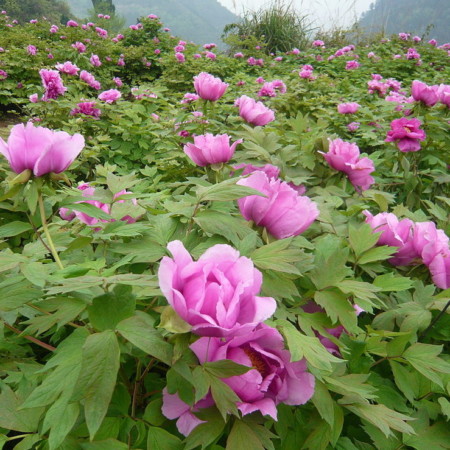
(200, 21)
(412, 16)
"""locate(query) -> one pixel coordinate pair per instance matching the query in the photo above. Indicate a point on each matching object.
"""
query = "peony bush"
(263, 264)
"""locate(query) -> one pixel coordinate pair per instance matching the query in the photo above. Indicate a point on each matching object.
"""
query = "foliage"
(277, 26)
(89, 344)
(25, 10)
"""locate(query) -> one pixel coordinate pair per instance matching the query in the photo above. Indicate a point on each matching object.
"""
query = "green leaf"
(307, 347)
(391, 283)
(376, 254)
(363, 293)
(111, 308)
(224, 397)
(445, 406)
(13, 418)
(225, 368)
(160, 439)
(206, 433)
(172, 322)
(352, 384)
(99, 368)
(383, 418)
(424, 358)
(107, 444)
(338, 307)
(60, 418)
(403, 380)
(362, 238)
(242, 436)
(153, 414)
(15, 292)
(329, 261)
(435, 437)
(89, 209)
(323, 402)
(225, 191)
(201, 382)
(14, 228)
(277, 256)
(139, 330)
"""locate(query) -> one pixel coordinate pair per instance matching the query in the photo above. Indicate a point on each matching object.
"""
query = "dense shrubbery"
(134, 284)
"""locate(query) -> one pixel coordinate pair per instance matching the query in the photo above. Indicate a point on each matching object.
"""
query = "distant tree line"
(415, 16)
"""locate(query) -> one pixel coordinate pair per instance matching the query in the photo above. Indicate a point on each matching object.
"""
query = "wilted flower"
(283, 212)
(216, 295)
(40, 149)
(407, 134)
(209, 87)
(209, 149)
(254, 112)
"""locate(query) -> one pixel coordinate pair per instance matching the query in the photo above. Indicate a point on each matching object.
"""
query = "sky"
(325, 13)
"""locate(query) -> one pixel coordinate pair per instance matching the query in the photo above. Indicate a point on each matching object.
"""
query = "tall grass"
(278, 26)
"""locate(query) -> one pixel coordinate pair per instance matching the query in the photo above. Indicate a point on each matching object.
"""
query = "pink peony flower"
(210, 55)
(254, 112)
(72, 23)
(87, 109)
(31, 50)
(348, 108)
(110, 96)
(79, 46)
(216, 295)
(40, 149)
(318, 43)
(209, 87)
(180, 57)
(395, 233)
(95, 61)
(421, 92)
(118, 82)
(443, 92)
(68, 68)
(283, 212)
(89, 191)
(273, 378)
(407, 134)
(351, 65)
(209, 149)
(53, 84)
(3, 75)
(353, 126)
(238, 55)
(90, 79)
(270, 170)
(34, 98)
(345, 157)
(189, 98)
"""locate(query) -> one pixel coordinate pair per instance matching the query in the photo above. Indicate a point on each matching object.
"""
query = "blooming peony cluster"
(272, 88)
(40, 149)
(416, 242)
(211, 149)
(68, 67)
(283, 212)
(218, 296)
(407, 134)
(345, 157)
(253, 112)
(430, 95)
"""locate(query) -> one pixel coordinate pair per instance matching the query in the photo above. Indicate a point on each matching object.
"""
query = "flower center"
(257, 361)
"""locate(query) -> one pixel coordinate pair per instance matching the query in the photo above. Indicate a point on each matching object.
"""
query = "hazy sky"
(325, 12)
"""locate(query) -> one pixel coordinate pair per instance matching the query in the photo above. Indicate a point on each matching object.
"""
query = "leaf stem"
(47, 232)
(30, 338)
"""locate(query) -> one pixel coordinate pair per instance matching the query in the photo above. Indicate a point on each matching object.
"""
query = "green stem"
(47, 232)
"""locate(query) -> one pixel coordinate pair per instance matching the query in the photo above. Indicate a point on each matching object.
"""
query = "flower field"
(202, 250)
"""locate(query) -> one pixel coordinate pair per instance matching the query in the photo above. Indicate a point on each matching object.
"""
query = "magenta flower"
(253, 112)
(272, 379)
(209, 87)
(421, 92)
(348, 108)
(318, 43)
(440, 269)
(3, 75)
(353, 126)
(283, 212)
(79, 46)
(53, 84)
(216, 295)
(40, 149)
(351, 65)
(180, 57)
(189, 98)
(110, 96)
(444, 94)
(87, 109)
(395, 233)
(345, 157)
(407, 134)
(72, 23)
(95, 61)
(31, 50)
(270, 170)
(90, 79)
(68, 68)
(211, 149)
